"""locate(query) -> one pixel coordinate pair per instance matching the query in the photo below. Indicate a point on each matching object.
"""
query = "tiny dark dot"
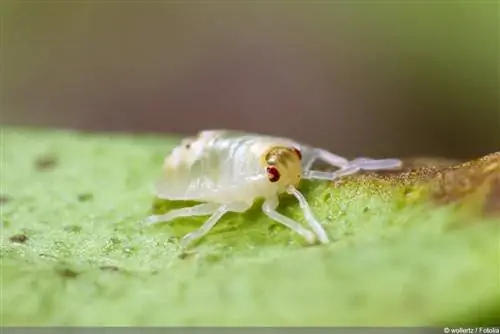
(85, 197)
(73, 228)
(366, 209)
(109, 268)
(115, 241)
(183, 255)
(19, 238)
(4, 199)
(186, 255)
(67, 273)
(188, 146)
(272, 227)
(45, 162)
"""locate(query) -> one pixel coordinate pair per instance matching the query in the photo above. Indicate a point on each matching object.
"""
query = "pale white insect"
(227, 171)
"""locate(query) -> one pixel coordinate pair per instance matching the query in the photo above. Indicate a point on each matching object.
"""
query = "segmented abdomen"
(214, 162)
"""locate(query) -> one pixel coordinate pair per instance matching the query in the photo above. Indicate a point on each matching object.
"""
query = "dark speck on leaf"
(73, 228)
(366, 209)
(85, 197)
(272, 228)
(109, 268)
(19, 238)
(186, 255)
(46, 162)
(4, 199)
(68, 273)
(492, 203)
(115, 241)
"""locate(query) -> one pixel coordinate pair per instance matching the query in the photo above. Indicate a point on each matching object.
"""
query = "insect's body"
(220, 167)
(228, 171)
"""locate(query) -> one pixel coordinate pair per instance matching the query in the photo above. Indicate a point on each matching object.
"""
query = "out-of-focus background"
(370, 78)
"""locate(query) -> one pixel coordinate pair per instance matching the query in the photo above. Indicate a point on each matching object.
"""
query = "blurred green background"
(372, 78)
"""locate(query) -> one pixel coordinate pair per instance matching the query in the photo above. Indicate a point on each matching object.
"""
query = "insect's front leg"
(313, 154)
(376, 164)
(197, 210)
(345, 166)
(309, 216)
(269, 208)
(329, 176)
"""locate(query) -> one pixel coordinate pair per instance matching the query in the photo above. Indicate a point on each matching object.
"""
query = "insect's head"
(283, 166)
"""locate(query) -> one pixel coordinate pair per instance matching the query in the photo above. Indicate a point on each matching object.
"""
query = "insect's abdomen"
(238, 158)
(212, 166)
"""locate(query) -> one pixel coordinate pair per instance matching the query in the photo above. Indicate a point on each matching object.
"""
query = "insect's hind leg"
(197, 210)
(210, 223)
(269, 208)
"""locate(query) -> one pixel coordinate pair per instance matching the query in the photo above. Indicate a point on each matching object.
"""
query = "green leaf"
(414, 247)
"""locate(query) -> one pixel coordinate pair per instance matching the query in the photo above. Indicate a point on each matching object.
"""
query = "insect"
(227, 171)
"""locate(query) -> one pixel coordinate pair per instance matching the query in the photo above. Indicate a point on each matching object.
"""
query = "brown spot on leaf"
(19, 238)
(445, 181)
(492, 201)
(109, 268)
(4, 199)
(67, 273)
(46, 162)
(454, 183)
(186, 255)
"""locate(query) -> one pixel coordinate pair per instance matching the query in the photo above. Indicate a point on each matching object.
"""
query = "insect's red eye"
(273, 174)
(297, 151)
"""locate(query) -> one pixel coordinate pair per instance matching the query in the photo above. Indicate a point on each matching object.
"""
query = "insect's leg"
(310, 159)
(376, 164)
(197, 210)
(308, 214)
(269, 208)
(361, 163)
(210, 223)
(320, 175)
(345, 167)
(329, 158)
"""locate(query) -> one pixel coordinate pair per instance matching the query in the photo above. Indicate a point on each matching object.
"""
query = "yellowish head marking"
(283, 165)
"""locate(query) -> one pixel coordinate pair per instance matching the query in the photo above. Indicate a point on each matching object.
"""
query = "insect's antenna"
(306, 209)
